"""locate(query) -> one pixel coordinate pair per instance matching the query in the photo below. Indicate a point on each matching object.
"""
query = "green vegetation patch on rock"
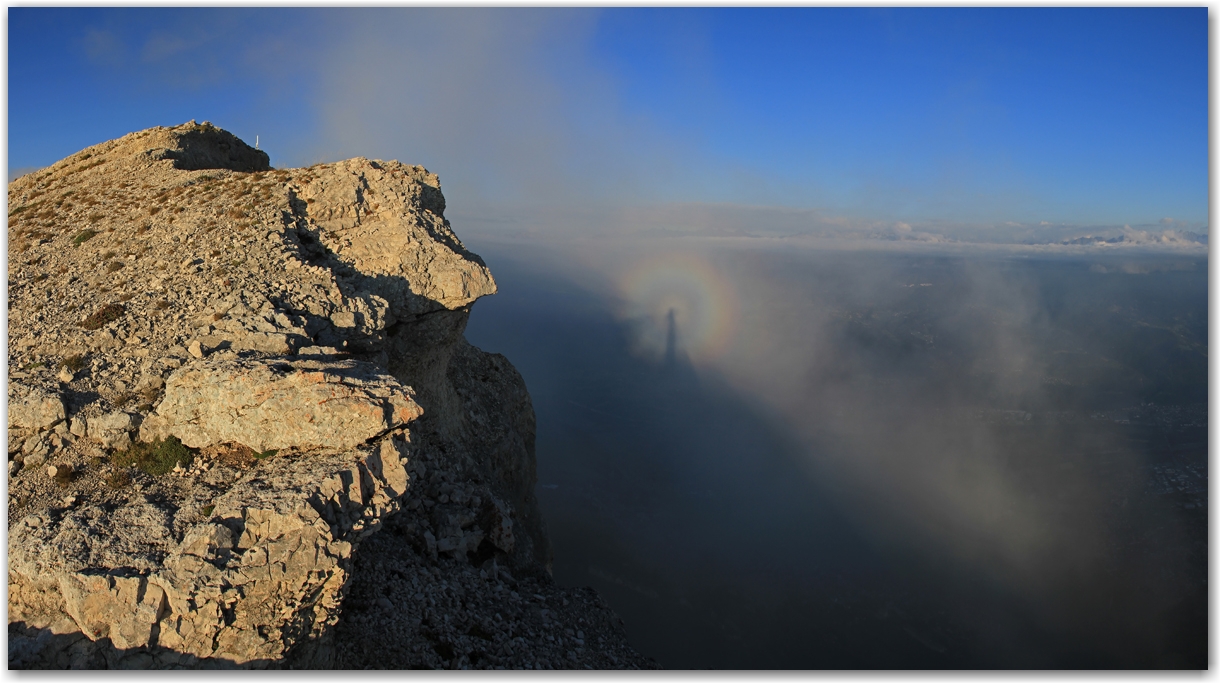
(156, 457)
(83, 236)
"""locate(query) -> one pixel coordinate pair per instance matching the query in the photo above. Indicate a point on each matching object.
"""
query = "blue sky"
(972, 116)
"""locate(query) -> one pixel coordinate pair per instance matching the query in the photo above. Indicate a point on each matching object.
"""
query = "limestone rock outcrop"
(393, 236)
(112, 430)
(224, 378)
(244, 583)
(32, 408)
(271, 406)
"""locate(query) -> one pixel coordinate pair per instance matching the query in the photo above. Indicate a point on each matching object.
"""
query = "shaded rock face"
(195, 148)
(299, 330)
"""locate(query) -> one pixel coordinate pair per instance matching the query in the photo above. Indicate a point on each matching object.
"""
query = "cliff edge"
(246, 430)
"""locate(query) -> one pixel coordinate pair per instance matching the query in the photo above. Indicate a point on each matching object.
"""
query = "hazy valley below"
(767, 457)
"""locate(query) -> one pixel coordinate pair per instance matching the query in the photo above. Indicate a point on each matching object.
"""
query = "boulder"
(279, 404)
(113, 429)
(33, 408)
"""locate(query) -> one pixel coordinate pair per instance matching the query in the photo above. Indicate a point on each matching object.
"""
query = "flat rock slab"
(33, 408)
(279, 404)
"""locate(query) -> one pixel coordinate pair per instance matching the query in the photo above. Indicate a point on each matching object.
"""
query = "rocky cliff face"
(245, 428)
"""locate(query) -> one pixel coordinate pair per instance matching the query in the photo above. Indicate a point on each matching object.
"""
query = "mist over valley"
(790, 458)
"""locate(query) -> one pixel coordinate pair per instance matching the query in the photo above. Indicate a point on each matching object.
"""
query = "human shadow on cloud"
(691, 506)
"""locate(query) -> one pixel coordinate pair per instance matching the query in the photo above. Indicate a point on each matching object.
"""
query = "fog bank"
(947, 461)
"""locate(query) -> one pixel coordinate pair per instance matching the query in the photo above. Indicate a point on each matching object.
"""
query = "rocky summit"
(245, 429)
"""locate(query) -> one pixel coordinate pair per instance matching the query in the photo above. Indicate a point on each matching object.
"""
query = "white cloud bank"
(809, 227)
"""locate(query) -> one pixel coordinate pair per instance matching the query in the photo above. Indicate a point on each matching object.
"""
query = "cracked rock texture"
(354, 482)
(271, 406)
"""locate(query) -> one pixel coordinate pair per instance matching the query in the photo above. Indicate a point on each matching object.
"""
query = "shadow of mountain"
(683, 502)
(688, 505)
